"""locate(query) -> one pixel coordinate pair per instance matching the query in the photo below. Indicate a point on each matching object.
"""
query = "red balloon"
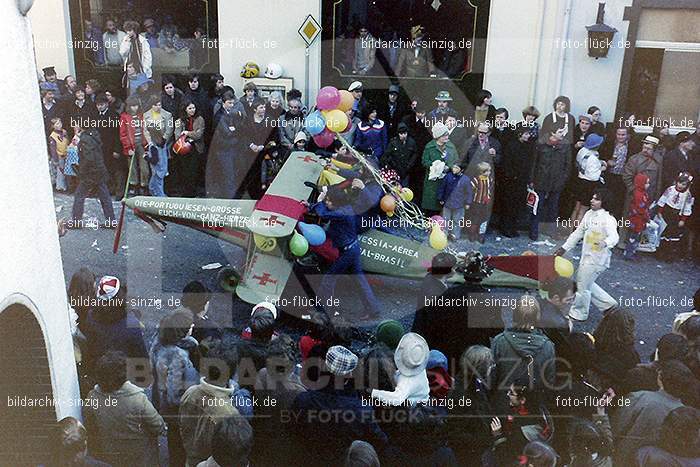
(324, 139)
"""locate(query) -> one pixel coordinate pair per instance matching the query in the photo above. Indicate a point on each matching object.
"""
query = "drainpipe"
(532, 93)
(562, 50)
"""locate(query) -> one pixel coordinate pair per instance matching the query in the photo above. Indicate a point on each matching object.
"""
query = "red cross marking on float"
(272, 220)
(306, 158)
(265, 278)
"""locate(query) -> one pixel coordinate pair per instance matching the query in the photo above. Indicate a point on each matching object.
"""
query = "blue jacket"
(344, 226)
(123, 336)
(455, 190)
(372, 138)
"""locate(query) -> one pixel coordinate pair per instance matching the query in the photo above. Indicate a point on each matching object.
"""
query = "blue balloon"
(315, 123)
(313, 233)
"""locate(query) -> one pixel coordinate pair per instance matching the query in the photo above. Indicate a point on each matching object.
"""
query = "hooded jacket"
(173, 373)
(123, 425)
(521, 355)
(639, 206)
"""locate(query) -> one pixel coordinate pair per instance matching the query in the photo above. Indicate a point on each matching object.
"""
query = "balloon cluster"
(331, 116)
(311, 234)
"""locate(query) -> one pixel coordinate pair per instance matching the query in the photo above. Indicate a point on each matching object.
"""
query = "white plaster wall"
(31, 261)
(524, 52)
(51, 26)
(274, 21)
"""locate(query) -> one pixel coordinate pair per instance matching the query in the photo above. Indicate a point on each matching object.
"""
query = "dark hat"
(402, 127)
(49, 70)
(682, 137)
(389, 332)
(394, 89)
(442, 263)
(217, 77)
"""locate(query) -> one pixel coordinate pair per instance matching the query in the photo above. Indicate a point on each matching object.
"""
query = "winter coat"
(432, 153)
(371, 137)
(400, 156)
(146, 57)
(172, 104)
(203, 407)
(392, 121)
(222, 176)
(653, 456)
(550, 125)
(674, 162)
(514, 350)
(325, 439)
(650, 166)
(109, 131)
(124, 335)
(418, 131)
(455, 191)
(123, 426)
(200, 100)
(639, 207)
(158, 131)
(92, 166)
(551, 167)
(452, 328)
(173, 373)
(639, 423)
(476, 154)
(127, 129)
(289, 126)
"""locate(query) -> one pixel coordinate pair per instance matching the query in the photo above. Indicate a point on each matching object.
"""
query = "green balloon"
(298, 245)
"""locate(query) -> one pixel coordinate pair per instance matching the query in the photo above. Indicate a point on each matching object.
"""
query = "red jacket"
(639, 206)
(127, 131)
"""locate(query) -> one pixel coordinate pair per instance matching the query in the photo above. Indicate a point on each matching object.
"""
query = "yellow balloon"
(390, 214)
(407, 194)
(563, 266)
(336, 120)
(346, 100)
(438, 239)
(263, 243)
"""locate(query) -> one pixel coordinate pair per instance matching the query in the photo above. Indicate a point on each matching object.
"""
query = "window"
(664, 85)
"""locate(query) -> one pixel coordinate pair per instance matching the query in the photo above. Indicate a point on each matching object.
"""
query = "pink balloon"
(324, 139)
(328, 98)
(440, 221)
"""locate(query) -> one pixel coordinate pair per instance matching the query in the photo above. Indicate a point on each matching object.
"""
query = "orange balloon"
(529, 253)
(388, 203)
(346, 100)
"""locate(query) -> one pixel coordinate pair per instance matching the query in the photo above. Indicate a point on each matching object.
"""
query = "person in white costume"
(598, 229)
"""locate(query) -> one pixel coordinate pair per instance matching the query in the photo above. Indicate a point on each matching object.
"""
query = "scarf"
(135, 54)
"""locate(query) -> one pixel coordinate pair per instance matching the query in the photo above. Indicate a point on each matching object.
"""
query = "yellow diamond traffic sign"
(309, 30)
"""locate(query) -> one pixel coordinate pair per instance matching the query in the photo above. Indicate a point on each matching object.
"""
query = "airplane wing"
(278, 211)
(227, 219)
(264, 278)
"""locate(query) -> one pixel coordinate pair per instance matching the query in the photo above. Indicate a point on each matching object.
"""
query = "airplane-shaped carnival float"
(276, 239)
(266, 228)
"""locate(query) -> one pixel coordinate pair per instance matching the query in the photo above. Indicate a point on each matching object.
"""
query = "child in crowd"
(589, 177)
(58, 149)
(271, 164)
(638, 214)
(675, 207)
(70, 168)
(455, 195)
(479, 211)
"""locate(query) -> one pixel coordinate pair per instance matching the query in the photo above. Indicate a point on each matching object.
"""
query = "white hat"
(440, 129)
(273, 71)
(355, 86)
(107, 287)
(411, 354)
(299, 136)
(266, 306)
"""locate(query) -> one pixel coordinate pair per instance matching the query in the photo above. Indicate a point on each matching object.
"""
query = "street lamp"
(600, 35)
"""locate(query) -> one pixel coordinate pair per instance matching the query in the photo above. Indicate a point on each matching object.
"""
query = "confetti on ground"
(641, 342)
(498, 239)
(59, 209)
(94, 243)
(125, 247)
(212, 266)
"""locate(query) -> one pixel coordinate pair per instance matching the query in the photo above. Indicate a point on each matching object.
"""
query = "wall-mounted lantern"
(600, 35)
